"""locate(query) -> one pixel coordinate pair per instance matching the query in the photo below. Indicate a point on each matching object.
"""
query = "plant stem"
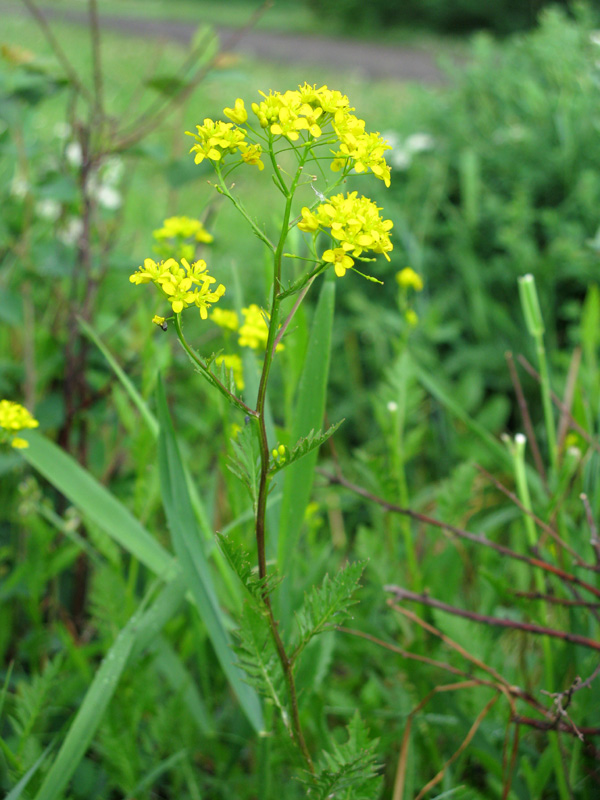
(208, 374)
(261, 505)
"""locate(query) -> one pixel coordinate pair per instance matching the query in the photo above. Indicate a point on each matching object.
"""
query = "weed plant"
(491, 690)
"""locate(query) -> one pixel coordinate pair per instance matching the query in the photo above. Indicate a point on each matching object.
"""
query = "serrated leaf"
(258, 658)
(246, 463)
(324, 605)
(303, 447)
(239, 561)
(351, 765)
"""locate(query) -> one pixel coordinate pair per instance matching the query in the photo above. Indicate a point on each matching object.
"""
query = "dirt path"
(366, 59)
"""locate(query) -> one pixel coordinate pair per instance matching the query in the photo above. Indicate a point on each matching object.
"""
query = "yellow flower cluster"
(225, 319)
(185, 285)
(13, 419)
(216, 139)
(183, 228)
(314, 112)
(254, 332)
(171, 238)
(407, 278)
(355, 224)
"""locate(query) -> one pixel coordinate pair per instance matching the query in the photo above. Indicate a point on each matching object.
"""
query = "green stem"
(263, 487)
(222, 188)
(518, 451)
(208, 374)
(547, 401)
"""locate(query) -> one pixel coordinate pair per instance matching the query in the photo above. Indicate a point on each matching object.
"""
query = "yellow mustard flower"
(184, 228)
(233, 363)
(184, 284)
(215, 139)
(254, 331)
(238, 113)
(225, 319)
(14, 418)
(356, 225)
(407, 278)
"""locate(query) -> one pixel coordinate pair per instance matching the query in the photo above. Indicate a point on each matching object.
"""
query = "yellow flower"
(13, 419)
(184, 285)
(238, 114)
(225, 319)
(233, 363)
(340, 259)
(184, 228)
(254, 331)
(216, 139)
(356, 225)
(160, 321)
(251, 155)
(409, 279)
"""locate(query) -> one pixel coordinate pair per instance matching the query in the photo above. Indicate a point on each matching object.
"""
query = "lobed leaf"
(304, 446)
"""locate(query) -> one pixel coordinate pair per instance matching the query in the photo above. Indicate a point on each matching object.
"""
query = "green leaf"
(326, 604)
(246, 463)
(127, 384)
(303, 447)
(153, 426)
(19, 787)
(257, 656)
(90, 713)
(350, 766)
(308, 416)
(168, 663)
(239, 561)
(196, 573)
(97, 504)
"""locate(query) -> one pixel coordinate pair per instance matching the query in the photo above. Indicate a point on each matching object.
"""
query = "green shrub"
(503, 16)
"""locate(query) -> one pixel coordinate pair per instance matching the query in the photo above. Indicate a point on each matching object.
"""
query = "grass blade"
(309, 413)
(19, 787)
(188, 547)
(95, 702)
(97, 503)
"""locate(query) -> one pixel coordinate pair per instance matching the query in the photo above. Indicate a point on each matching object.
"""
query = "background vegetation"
(495, 175)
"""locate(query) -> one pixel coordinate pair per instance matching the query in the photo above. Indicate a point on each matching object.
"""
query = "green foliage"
(312, 441)
(349, 770)
(326, 605)
(245, 464)
(257, 656)
(503, 16)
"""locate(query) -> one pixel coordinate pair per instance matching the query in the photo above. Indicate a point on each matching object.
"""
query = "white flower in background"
(108, 197)
(595, 37)
(48, 209)
(392, 407)
(73, 154)
(71, 231)
(19, 186)
(419, 143)
(402, 152)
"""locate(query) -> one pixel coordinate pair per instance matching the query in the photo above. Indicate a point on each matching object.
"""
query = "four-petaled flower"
(184, 285)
